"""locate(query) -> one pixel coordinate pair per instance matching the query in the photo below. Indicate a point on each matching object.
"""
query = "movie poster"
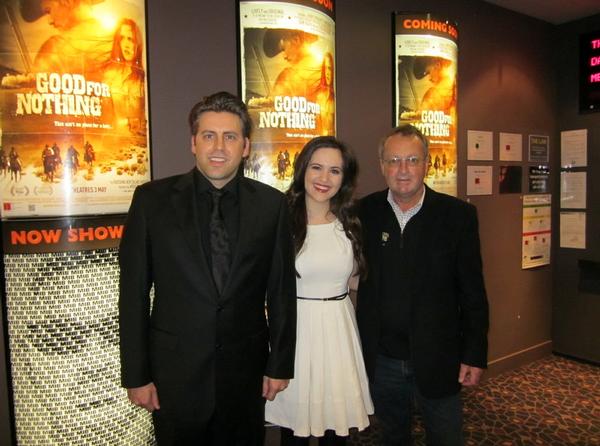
(426, 54)
(287, 81)
(73, 100)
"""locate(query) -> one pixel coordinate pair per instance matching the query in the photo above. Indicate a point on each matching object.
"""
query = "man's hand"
(145, 396)
(273, 386)
(469, 375)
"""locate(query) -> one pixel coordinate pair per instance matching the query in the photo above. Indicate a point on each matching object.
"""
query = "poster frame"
(445, 30)
(65, 205)
(269, 144)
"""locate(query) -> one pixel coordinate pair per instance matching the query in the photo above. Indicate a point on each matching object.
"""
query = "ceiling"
(553, 11)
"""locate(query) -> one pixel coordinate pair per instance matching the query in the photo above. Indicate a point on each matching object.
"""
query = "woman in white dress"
(329, 393)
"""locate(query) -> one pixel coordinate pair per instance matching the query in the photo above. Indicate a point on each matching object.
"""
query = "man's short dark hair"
(405, 130)
(222, 101)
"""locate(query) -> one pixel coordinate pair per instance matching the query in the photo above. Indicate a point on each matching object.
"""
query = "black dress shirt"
(230, 210)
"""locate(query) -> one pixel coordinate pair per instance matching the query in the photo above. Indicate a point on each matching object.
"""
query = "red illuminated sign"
(589, 67)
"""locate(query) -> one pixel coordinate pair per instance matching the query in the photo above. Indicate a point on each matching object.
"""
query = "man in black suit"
(422, 310)
(202, 355)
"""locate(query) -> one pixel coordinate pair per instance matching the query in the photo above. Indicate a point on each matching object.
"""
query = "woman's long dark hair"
(342, 204)
(116, 55)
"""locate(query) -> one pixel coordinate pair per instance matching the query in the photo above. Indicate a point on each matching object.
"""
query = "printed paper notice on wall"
(510, 147)
(572, 230)
(537, 232)
(480, 145)
(479, 180)
(573, 148)
(573, 190)
(539, 148)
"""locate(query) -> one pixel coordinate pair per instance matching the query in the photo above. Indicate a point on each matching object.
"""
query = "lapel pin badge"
(384, 237)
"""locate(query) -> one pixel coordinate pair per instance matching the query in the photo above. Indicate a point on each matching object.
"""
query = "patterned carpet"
(551, 402)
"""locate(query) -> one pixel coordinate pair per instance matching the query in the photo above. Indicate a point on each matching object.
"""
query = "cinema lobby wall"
(516, 74)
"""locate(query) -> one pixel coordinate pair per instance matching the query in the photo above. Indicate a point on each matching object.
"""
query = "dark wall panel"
(575, 328)
(192, 53)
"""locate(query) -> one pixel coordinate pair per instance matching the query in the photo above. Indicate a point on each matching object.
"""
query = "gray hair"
(406, 130)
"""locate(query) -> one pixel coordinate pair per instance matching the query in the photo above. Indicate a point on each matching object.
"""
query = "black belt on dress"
(340, 297)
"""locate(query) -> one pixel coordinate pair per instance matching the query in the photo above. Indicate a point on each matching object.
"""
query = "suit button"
(218, 346)
(219, 309)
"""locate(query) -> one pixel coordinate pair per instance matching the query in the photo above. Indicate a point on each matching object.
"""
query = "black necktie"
(219, 243)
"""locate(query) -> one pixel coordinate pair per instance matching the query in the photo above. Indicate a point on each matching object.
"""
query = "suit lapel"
(184, 202)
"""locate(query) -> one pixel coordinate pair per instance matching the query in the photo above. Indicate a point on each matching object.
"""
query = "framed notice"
(479, 180)
(74, 137)
(539, 179)
(537, 230)
(510, 147)
(572, 230)
(480, 145)
(573, 148)
(287, 76)
(425, 64)
(539, 147)
(510, 179)
(573, 190)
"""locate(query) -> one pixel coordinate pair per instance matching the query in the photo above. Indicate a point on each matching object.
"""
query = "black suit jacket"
(448, 303)
(206, 354)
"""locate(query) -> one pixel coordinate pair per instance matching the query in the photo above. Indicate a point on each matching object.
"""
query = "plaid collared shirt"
(404, 217)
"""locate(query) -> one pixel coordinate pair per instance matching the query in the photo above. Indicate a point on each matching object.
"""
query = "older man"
(422, 311)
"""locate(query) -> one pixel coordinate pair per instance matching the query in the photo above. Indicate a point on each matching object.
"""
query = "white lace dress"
(330, 388)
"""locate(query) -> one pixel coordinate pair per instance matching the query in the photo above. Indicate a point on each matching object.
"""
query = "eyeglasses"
(394, 161)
